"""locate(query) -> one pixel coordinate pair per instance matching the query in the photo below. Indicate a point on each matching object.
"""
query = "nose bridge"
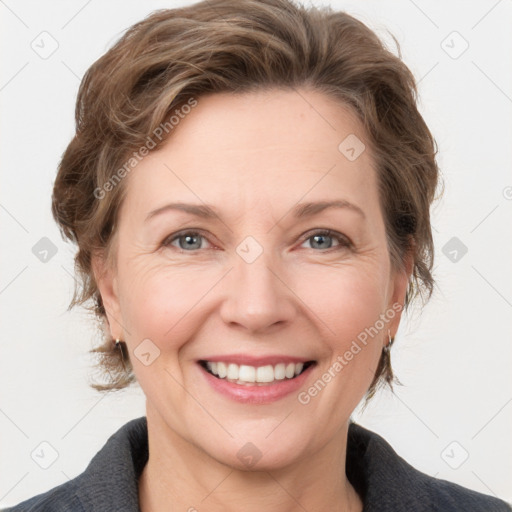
(257, 298)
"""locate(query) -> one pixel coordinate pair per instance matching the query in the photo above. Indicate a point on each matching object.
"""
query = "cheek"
(157, 300)
(348, 304)
(346, 298)
(351, 314)
(156, 306)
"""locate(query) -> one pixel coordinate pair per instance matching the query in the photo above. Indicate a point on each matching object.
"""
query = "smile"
(259, 375)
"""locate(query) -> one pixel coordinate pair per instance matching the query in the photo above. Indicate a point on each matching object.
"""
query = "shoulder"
(62, 498)
(389, 483)
(449, 496)
(108, 483)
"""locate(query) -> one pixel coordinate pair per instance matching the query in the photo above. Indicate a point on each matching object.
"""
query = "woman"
(249, 189)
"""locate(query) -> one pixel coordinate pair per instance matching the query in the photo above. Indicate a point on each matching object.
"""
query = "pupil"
(190, 241)
(315, 237)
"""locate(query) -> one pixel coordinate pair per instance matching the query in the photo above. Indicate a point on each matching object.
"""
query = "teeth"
(248, 374)
(279, 371)
(222, 371)
(233, 372)
(265, 374)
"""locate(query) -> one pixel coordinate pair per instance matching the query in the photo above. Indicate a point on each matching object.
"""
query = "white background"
(454, 359)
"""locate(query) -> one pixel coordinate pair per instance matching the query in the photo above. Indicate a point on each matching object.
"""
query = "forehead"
(259, 149)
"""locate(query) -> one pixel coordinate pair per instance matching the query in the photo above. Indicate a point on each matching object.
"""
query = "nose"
(257, 295)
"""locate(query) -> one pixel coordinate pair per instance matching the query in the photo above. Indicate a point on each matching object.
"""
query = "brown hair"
(238, 46)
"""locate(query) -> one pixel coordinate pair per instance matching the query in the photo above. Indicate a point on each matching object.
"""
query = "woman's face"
(260, 286)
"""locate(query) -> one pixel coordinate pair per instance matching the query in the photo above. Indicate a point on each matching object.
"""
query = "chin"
(257, 453)
(249, 458)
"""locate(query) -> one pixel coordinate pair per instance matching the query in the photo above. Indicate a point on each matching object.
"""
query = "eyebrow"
(300, 211)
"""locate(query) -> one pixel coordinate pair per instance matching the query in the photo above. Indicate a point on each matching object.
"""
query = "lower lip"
(265, 394)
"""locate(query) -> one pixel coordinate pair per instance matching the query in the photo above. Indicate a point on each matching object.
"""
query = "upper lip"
(248, 360)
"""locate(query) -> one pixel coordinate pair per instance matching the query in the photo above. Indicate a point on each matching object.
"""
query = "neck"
(179, 476)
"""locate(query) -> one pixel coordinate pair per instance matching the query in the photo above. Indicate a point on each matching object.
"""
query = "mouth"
(248, 375)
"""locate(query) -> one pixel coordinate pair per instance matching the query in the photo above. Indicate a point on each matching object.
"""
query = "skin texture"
(254, 157)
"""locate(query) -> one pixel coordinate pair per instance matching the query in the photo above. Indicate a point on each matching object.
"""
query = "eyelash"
(344, 242)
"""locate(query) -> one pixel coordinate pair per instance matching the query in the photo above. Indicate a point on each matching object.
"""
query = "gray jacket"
(386, 482)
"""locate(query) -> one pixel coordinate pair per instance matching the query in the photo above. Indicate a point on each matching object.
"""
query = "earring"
(387, 348)
(123, 351)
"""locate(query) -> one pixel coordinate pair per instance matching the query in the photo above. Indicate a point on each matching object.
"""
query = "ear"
(106, 281)
(400, 282)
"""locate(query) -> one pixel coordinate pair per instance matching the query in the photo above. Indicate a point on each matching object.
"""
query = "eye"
(321, 238)
(187, 240)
